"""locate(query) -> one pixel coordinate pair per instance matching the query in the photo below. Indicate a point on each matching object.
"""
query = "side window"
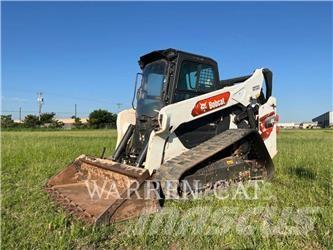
(154, 84)
(196, 77)
(188, 76)
(206, 78)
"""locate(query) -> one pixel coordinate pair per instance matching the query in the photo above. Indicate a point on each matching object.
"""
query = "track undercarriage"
(229, 157)
(234, 155)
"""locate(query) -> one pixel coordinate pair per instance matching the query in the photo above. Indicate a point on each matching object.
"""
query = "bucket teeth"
(71, 190)
(68, 205)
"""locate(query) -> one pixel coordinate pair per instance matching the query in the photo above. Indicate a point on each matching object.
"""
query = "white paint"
(164, 145)
(270, 142)
(124, 119)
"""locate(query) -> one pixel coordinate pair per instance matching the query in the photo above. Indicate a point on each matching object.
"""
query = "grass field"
(303, 180)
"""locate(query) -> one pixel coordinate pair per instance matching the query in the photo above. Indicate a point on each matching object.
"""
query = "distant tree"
(7, 121)
(77, 122)
(47, 118)
(31, 121)
(102, 119)
(56, 124)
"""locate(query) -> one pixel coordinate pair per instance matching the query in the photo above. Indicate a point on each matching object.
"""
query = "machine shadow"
(302, 172)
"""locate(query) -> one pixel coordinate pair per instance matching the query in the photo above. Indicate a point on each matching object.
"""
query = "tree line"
(97, 119)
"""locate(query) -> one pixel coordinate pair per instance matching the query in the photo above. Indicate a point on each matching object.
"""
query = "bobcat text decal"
(210, 103)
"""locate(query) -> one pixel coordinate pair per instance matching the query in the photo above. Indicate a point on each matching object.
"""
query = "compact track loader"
(187, 126)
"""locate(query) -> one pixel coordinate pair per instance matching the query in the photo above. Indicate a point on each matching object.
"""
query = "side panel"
(172, 116)
(175, 114)
(155, 151)
(124, 119)
(173, 147)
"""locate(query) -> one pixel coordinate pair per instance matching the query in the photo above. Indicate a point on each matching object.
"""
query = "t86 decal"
(210, 103)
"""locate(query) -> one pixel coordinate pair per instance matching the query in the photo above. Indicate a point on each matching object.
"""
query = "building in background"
(287, 125)
(69, 122)
(325, 120)
(306, 125)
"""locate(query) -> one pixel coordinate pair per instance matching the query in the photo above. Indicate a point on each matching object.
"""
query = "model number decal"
(256, 87)
(210, 103)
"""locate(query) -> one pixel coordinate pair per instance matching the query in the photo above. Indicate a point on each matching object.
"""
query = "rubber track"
(174, 168)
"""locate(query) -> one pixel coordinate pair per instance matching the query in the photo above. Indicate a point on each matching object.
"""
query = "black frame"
(176, 58)
(184, 56)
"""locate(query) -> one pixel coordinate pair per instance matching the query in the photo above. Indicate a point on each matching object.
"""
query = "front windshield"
(149, 94)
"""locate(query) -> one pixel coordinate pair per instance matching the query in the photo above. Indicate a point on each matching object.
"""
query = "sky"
(86, 53)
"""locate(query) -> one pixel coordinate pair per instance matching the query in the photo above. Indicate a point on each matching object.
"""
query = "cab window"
(194, 79)
(206, 78)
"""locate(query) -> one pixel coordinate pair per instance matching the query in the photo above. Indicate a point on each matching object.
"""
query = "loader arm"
(172, 116)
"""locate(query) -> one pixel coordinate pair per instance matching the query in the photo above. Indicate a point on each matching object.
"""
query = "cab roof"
(168, 54)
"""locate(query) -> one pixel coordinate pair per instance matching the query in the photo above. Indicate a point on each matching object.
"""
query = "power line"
(34, 111)
(119, 106)
(71, 97)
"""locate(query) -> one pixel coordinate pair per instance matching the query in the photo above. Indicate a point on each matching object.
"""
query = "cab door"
(196, 78)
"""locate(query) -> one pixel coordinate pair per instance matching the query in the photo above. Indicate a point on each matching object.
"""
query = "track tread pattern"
(174, 168)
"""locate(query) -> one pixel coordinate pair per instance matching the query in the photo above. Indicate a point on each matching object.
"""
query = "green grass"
(303, 179)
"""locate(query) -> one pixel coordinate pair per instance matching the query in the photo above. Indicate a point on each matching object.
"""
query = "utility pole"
(40, 100)
(20, 114)
(119, 106)
(75, 112)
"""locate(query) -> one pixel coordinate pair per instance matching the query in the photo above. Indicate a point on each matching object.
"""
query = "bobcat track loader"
(187, 125)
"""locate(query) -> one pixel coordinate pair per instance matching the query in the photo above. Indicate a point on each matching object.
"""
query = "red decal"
(266, 131)
(277, 119)
(210, 103)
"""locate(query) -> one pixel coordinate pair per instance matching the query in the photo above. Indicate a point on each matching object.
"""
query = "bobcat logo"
(210, 103)
(203, 106)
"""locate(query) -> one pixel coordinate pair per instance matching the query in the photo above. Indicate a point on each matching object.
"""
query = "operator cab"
(170, 76)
